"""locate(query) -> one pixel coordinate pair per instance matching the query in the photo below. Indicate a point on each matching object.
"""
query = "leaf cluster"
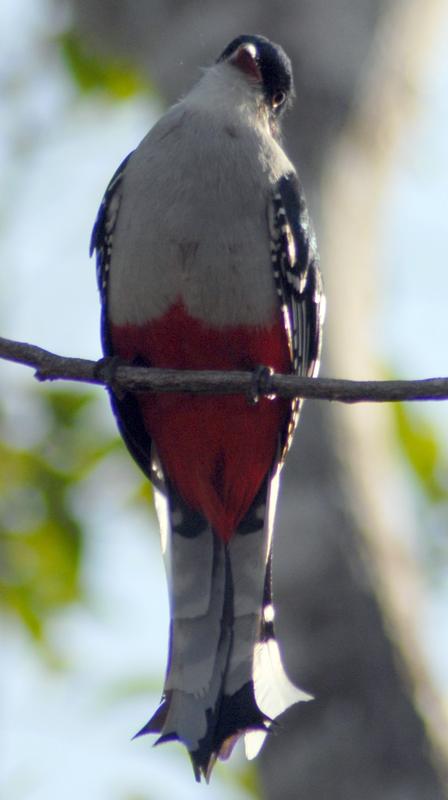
(424, 449)
(40, 525)
(92, 71)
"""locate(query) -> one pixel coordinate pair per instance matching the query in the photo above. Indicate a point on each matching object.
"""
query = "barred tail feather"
(252, 551)
(224, 677)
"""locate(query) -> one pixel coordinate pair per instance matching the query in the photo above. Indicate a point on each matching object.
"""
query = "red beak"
(245, 59)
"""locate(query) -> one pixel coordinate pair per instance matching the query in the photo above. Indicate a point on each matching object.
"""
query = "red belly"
(216, 450)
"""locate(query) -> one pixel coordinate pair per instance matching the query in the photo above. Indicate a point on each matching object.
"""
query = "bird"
(207, 260)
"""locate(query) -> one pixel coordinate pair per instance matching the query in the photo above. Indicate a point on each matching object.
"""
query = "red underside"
(216, 450)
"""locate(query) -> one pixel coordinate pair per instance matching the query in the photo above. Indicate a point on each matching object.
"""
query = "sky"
(60, 732)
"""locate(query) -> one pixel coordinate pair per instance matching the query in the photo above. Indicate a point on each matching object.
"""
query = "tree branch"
(106, 371)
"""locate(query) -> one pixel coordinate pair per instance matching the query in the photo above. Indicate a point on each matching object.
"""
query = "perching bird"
(206, 260)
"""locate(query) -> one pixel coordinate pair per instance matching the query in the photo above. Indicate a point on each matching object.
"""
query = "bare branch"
(106, 371)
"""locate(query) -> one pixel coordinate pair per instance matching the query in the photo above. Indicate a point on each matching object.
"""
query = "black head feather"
(274, 66)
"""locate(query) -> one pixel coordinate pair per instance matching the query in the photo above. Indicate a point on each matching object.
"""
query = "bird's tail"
(224, 677)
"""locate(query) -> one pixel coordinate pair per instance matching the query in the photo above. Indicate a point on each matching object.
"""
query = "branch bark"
(107, 371)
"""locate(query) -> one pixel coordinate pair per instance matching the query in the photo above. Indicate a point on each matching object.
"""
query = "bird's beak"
(245, 59)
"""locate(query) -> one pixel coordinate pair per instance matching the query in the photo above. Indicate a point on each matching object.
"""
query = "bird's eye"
(278, 99)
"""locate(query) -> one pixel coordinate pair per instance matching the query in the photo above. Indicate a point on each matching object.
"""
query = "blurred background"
(361, 549)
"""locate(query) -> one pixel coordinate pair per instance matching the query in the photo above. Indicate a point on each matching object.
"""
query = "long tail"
(224, 677)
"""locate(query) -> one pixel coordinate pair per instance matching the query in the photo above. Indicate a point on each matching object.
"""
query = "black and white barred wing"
(125, 407)
(295, 263)
(102, 242)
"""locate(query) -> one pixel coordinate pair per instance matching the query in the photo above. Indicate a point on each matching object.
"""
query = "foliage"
(425, 453)
(40, 529)
(91, 71)
(247, 778)
(421, 445)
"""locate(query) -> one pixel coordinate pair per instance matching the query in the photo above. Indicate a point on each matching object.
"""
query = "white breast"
(193, 223)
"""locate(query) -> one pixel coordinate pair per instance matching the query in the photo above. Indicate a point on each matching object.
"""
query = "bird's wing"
(125, 407)
(295, 263)
(102, 241)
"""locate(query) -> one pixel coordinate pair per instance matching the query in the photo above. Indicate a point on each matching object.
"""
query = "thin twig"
(49, 366)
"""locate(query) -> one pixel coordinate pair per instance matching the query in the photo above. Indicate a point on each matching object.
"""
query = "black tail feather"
(157, 720)
(235, 715)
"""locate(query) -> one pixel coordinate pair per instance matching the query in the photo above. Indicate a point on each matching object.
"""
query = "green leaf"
(41, 526)
(41, 534)
(92, 71)
(248, 779)
(40, 538)
(64, 405)
(421, 447)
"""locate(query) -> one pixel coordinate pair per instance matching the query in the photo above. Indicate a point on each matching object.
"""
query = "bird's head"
(267, 70)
